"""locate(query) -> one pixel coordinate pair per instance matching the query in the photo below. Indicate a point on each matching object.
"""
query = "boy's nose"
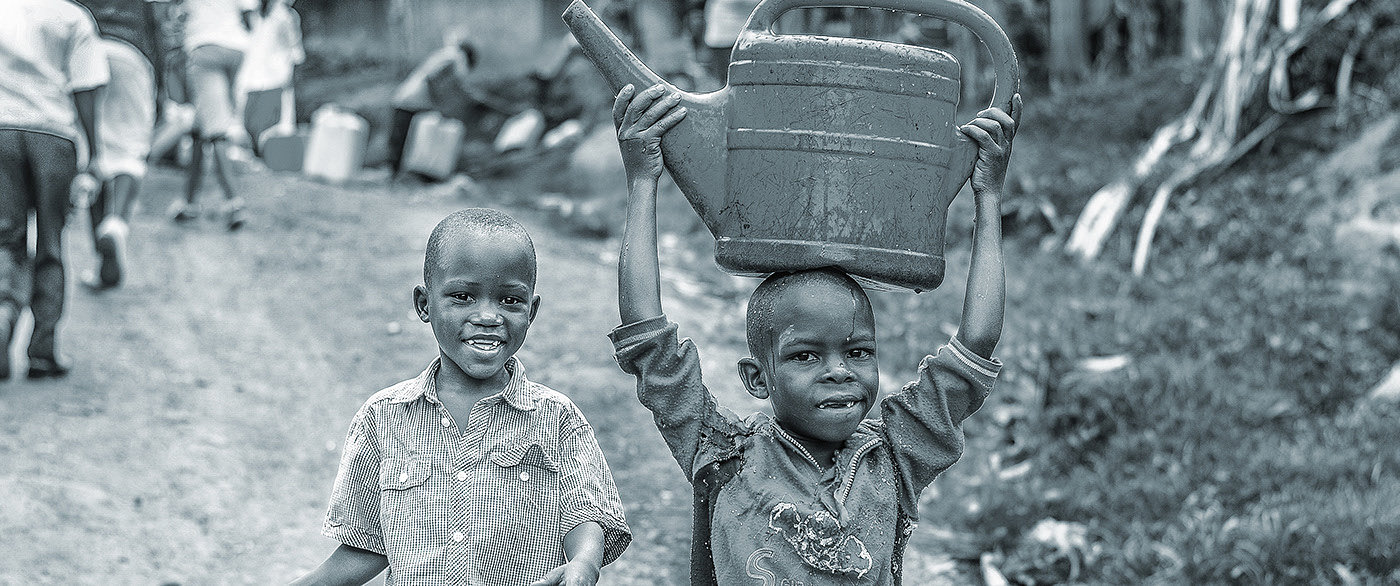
(838, 373)
(487, 318)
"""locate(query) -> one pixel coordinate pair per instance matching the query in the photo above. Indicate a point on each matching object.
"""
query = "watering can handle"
(957, 11)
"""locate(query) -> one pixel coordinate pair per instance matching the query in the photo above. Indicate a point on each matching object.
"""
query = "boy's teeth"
(485, 344)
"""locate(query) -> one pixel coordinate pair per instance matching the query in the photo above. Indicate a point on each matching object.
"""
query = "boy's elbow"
(982, 341)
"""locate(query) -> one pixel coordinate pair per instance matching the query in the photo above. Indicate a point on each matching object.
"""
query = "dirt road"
(196, 440)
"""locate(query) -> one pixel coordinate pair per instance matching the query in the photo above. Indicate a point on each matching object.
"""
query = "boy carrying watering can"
(816, 494)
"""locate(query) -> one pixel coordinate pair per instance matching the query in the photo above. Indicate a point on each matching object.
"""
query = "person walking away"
(267, 80)
(53, 67)
(131, 37)
(216, 37)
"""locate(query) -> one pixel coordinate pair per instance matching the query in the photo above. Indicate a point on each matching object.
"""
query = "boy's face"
(821, 375)
(481, 302)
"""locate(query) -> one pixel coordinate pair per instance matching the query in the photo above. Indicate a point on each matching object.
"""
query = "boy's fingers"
(1007, 123)
(979, 136)
(991, 127)
(624, 97)
(671, 118)
(642, 102)
(658, 109)
(1016, 109)
(550, 579)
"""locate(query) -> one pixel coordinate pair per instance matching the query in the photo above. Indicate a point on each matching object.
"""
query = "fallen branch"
(1244, 65)
(1192, 173)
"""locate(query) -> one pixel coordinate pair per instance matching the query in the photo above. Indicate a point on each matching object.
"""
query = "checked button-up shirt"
(484, 504)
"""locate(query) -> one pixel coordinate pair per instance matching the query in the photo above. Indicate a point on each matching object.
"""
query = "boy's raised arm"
(985, 301)
(641, 118)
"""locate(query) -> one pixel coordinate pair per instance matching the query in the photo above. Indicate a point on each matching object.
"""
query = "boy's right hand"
(641, 119)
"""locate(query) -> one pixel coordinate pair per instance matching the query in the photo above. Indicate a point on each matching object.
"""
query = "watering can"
(822, 151)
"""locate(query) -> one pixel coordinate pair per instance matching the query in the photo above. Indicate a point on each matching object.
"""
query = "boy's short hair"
(476, 221)
(758, 321)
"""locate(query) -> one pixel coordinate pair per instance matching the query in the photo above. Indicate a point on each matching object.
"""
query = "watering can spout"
(694, 150)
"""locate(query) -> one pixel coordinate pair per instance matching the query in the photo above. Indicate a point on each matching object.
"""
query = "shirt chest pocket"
(526, 475)
(403, 497)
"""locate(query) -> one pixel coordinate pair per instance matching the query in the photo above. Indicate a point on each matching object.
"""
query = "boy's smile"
(821, 375)
(480, 303)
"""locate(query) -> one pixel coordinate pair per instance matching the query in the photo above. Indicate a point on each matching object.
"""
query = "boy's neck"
(822, 451)
(451, 380)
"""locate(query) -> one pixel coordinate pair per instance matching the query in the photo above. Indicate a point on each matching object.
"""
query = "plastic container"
(434, 145)
(520, 131)
(283, 149)
(335, 149)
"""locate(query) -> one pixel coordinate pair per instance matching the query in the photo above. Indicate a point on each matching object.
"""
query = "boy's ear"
(534, 307)
(751, 372)
(420, 302)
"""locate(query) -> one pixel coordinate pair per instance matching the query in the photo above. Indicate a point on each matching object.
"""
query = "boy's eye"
(510, 301)
(461, 296)
(804, 357)
(861, 353)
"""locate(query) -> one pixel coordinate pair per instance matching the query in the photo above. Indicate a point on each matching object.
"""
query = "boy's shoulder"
(400, 392)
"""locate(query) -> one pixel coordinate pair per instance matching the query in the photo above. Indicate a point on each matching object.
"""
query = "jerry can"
(434, 144)
(335, 149)
(822, 151)
(283, 149)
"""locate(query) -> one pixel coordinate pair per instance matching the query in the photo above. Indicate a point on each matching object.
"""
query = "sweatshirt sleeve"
(923, 422)
(669, 384)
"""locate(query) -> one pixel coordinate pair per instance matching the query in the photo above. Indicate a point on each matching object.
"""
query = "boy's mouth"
(840, 402)
(485, 344)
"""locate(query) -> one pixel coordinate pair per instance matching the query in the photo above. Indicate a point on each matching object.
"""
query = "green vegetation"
(1237, 445)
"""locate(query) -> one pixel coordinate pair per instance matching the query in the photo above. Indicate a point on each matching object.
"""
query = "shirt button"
(524, 476)
(403, 477)
(447, 422)
(461, 475)
(458, 537)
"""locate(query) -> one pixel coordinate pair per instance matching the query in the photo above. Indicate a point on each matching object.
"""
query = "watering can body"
(823, 151)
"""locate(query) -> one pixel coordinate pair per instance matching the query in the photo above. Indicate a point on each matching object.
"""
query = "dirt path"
(197, 438)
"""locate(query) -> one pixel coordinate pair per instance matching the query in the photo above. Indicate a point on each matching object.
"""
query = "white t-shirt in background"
(217, 22)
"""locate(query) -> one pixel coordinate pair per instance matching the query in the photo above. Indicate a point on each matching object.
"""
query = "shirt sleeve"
(87, 60)
(668, 384)
(353, 516)
(586, 488)
(923, 422)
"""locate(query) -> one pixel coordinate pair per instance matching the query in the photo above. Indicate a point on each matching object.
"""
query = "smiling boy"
(816, 494)
(470, 473)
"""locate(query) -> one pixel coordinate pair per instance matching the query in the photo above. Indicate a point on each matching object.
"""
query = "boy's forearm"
(638, 268)
(346, 566)
(985, 301)
(584, 544)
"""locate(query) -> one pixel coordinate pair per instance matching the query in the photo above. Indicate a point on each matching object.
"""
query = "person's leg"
(398, 137)
(55, 166)
(194, 179)
(125, 125)
(15, 196)
(229, 62)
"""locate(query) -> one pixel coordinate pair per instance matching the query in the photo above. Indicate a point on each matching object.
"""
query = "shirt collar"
(519, 392)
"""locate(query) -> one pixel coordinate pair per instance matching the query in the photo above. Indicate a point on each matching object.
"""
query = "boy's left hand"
(992, 130)
(575, 573)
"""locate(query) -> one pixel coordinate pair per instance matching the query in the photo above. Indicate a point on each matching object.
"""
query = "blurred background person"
(267, 79)
(441, 83)
(131, 37)
(216, 37)
(53, 67)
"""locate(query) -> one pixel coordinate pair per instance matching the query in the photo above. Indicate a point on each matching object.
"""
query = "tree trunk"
(1069, 51)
